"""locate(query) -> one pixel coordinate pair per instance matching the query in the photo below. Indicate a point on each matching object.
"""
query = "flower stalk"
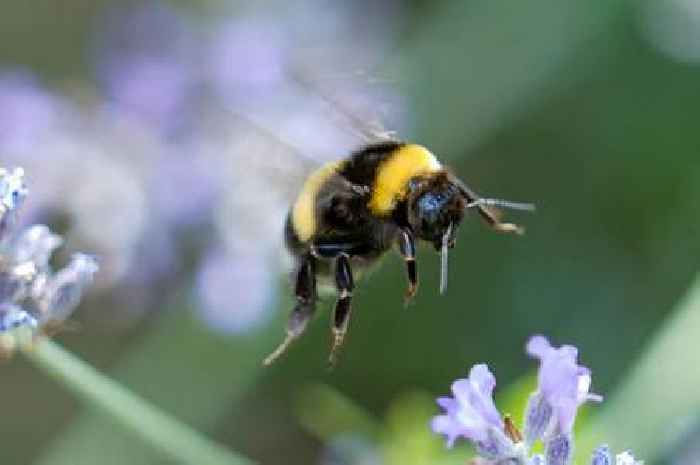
(35, 300)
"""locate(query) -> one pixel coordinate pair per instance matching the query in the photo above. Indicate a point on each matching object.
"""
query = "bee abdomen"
(304, 221)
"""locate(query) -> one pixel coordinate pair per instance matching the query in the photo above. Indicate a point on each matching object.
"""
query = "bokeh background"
(167, 137)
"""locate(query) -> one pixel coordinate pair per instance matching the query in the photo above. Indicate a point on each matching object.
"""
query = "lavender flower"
(32, 295)
(35, 244)
(12, 194)
(602, 456)
(562, 382)
(61, 293)
(12, 316)
(626, 458)
(549, 416)
(471, 413)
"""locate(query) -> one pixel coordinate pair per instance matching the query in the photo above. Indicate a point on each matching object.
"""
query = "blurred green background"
(588, 109)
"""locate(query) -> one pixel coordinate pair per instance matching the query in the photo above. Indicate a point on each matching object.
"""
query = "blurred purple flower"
(26, 111)
(563, 383)
(185, 187)
(150, 88)
(471, 413)
(247, 59)
(235, 291)
(145, 62)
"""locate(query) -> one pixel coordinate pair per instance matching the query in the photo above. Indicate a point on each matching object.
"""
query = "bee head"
(436, 208)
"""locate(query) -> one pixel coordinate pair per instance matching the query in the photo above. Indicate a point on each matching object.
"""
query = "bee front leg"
(407, 249)
(343, 307)
(305, 291)
(494, 222)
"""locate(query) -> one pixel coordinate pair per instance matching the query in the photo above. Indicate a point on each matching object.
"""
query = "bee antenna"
(443, 258)
(498, 203)
(476, 201)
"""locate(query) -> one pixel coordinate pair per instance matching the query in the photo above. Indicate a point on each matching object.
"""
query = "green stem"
(170, 436)
(659, 393)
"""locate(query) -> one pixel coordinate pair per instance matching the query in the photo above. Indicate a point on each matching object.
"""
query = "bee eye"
(431, 203)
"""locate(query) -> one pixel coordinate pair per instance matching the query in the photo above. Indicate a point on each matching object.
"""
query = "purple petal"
(538, 415)
(483, 379)
(538, 346)
(569, 352)
(12, 194)
(447, 403)
(472, 413)
(444, 424)
(36, 244)
(64, 290)
(563, 383)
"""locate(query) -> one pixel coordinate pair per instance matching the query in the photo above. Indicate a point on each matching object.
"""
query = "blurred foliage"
(567, 104)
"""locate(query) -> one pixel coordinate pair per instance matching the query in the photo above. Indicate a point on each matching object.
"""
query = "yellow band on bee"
(391, 180)
(304, 209)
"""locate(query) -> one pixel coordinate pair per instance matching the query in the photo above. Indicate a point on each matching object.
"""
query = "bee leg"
(493, 221)
(305, 291)
(343, 307)
(407, 248)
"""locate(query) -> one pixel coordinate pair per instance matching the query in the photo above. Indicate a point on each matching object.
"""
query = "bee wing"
(367, 127)
(270, 155)
(264, 174)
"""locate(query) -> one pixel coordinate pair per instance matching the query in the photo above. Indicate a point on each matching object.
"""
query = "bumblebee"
(351, 212)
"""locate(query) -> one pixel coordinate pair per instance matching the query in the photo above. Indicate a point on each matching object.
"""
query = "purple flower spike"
(13, 317)
(538, 416)
(12, 194)
(559, 449)
(626, 458)
(471, 413)
(563, 383)
(549, 416)
(601, 456)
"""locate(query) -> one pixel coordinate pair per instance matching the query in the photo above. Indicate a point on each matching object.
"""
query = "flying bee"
(351, 212)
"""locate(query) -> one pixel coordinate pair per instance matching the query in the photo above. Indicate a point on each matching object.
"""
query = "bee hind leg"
(343, 306)
(303, 311)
